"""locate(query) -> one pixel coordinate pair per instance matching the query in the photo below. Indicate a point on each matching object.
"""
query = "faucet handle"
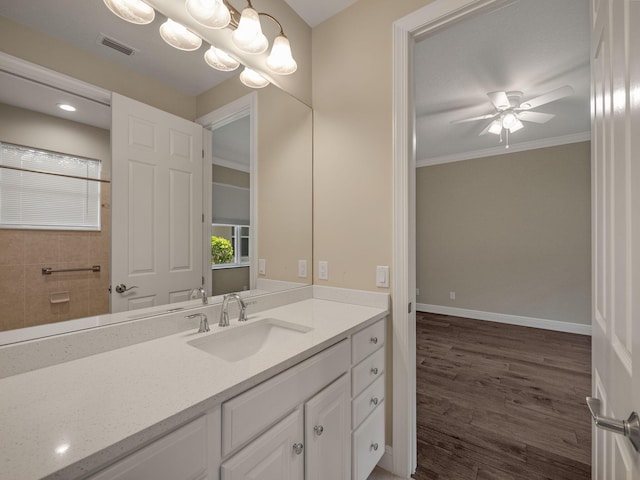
(204, 321)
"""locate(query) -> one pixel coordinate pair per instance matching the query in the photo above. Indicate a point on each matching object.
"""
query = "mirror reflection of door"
(231, 207)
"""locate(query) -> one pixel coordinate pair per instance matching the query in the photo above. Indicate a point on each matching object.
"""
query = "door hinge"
(409, 307)
(203, 218)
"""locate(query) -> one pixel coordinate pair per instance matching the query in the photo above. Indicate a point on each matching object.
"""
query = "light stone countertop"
(105, 405)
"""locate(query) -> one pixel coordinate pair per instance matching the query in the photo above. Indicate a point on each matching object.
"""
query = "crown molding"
(518, 147)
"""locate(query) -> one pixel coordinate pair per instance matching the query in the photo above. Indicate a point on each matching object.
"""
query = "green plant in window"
(221, 250)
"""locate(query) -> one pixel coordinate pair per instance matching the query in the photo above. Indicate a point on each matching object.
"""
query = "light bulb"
(133, 11)
(280, 59)
(177, 35)
(248, 37)
(209, 13)
(220, 60)
(253, 79)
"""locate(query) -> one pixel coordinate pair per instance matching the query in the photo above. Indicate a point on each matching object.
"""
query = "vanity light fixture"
(253, 79)
(133, 11)
(216, 14)
(178, 36)
(66, 107)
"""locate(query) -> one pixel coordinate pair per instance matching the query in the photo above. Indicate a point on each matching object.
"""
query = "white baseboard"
(386, 462)
(543, 323)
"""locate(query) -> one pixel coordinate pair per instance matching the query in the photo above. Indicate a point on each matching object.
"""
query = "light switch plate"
(302, 268)
(262, 266)
(323, 270)
(382, 276)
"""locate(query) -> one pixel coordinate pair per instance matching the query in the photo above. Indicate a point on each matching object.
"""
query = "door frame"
(405, 32)
(241, 107)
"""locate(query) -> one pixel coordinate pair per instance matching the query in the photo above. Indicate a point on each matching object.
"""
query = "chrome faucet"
(224, 312)
(202, 293)
(204, 321)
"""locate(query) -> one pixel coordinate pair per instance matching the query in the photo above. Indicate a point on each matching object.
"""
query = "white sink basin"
(245, 341)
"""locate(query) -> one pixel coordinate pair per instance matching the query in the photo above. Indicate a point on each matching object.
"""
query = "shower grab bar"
(49, 270)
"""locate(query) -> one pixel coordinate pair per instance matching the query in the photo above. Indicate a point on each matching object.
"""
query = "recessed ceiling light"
(66, 107)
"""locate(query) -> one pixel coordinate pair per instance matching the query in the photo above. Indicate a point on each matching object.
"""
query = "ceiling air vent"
(116, 45)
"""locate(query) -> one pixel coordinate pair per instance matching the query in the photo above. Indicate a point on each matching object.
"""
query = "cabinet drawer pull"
(374, 401)
(297, 448)
(374, 340)
(374, 447)
(374, 371)
(318, 429)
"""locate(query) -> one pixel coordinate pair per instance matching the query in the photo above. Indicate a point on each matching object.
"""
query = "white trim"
(543, 323)
(517, 147)
(386, 462)
(222, 162)
(37, 73)
(429, 17)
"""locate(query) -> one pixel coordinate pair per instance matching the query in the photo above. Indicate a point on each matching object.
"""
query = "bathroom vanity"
(295, 392)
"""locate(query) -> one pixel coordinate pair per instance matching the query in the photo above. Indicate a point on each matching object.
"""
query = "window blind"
(45, 200)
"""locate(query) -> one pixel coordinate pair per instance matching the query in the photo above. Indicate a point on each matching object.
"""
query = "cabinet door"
(276, 455)
(327, 421)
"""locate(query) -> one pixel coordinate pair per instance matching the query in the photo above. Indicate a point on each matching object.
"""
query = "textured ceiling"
(533, 46)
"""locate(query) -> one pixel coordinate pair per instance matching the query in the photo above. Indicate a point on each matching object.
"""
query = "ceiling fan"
(510, 111)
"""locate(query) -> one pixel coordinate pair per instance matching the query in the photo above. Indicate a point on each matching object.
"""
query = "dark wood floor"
(501, 402)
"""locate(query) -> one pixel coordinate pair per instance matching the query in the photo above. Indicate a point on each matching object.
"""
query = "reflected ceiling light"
(253, 79)
(495, 127)
(220, 60)
(177, 35)
(133, 11)
(62, 448)
(209, 13)
(248, 37)
(280, 59)
(66, 107)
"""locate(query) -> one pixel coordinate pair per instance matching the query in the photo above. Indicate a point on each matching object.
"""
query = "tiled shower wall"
(26, 294)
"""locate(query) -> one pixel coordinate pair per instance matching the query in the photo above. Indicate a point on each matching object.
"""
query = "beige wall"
(509, 234)
(25, 294)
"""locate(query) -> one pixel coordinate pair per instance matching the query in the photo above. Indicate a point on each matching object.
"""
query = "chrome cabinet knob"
(374, 447)
(629, 428)
(374, 371)
(318, 429)
(374, 340)
(374, 401)
(297, 448)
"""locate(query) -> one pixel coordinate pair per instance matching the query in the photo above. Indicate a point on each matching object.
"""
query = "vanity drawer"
(251, 412)
(367, 401)
(367, 341)
(370, 369)
(368, 444)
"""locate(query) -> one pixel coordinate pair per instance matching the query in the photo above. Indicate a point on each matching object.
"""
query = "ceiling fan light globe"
(516, 126)
(209, 13)
(495, 127)
(509, 120)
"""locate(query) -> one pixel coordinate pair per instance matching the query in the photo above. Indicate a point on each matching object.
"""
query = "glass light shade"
(248, 37)
(177, 35)
(280, 59)
(253, 79)
(517, 125)
(496, 127)
(209, 13)
(220, 60)
(133, 11)
(509, 120)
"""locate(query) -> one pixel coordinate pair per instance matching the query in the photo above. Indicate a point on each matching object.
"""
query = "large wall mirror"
(272, 242)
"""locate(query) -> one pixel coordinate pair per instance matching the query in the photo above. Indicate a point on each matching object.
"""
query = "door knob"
(629, 428)
(123, 288)
(318, 429)
(297, 448)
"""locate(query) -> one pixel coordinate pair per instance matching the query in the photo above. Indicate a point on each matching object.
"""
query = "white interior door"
(616, 229)
(156, 198)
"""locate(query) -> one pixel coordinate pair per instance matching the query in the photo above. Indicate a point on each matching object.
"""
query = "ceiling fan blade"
(549, 97)
(499, 100)
(473, 119)
(535, 117)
